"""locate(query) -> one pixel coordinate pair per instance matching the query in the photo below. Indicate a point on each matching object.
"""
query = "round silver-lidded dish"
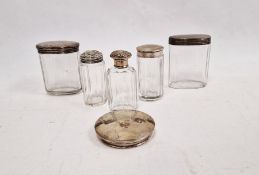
(124, 128)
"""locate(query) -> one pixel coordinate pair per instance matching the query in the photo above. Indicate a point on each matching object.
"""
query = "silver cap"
(120, 58)
(150, 51)
(91, 56)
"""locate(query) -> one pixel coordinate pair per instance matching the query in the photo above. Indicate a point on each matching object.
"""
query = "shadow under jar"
(150, 71)
(93, 77)
(59, 64)
(189, 61)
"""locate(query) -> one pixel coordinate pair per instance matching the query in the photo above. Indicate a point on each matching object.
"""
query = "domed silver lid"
(91, 56)
(120, 58)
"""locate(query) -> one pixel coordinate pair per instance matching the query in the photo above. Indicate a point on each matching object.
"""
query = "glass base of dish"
(124, 128)
(63, 91)
(187, 84)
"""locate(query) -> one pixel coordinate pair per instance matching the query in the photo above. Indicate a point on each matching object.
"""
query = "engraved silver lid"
(124, 128)
(91, 56)
(120, 58)
(57, 47)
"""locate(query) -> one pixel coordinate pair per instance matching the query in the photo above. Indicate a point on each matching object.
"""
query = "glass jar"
(189, 60)
(93, 77)
(150, 71)
(59, 64)
(122, 82)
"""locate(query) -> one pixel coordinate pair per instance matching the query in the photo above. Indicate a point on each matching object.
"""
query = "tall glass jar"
(59, 63)
(150, 71)
(93, 77)
(189, 60)
(122, 82)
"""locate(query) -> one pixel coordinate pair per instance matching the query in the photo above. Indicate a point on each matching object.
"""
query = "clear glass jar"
(122, 82)
(59, 63)
(150, 71)
(189, 60)
(93, 77)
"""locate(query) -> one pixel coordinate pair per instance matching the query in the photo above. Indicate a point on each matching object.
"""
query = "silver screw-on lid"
(120, 58)
(150, 51)
(91, 56)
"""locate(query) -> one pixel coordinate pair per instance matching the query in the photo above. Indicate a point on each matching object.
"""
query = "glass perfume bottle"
(93, 77)
(122, 82)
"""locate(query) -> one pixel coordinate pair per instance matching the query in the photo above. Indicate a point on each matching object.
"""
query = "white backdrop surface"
(209, 131)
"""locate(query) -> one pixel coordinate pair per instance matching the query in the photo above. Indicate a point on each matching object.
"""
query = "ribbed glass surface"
(93, 80)
(188, 66)
(60, 73)
(150, 78)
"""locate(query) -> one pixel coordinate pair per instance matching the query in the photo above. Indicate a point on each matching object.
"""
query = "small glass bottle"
(59, 64)
(122, 82)
(150, 71)
(93, 77)
(189, 60)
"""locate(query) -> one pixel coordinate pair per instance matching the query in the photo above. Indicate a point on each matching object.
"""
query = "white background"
(209, 131)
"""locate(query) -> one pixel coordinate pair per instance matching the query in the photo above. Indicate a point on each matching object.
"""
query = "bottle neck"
(121, 64)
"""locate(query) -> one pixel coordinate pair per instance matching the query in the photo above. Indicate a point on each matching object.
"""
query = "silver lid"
(57, 47)
(91, 56)
(120, 58)
(124, 128)
(190, 39)
(150, 51)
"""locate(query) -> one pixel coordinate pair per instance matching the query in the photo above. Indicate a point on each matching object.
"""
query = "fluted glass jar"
(93, 77)
(150, 71)
(122, 82)
(59, 63)
(189, 60)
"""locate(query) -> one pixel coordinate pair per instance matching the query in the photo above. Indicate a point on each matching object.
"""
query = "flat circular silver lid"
(150, 51)
(91, 56)
(124, 128)
(190, 39)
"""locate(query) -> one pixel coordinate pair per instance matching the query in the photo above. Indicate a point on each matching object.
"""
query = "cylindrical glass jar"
(59, 63)
(93, 77)
(150, 71)
(189, 60)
